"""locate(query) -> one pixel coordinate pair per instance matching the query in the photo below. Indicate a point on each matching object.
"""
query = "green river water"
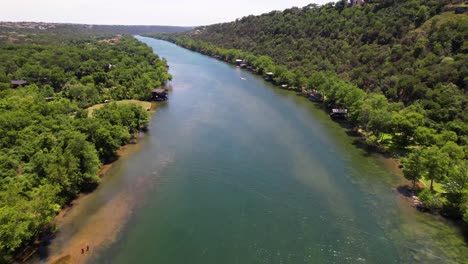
(239, 171)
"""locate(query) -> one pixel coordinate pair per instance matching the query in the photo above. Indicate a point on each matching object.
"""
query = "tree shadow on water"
(405, 190)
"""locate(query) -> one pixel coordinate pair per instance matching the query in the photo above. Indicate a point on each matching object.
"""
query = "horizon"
(177, 13)
(88, 24)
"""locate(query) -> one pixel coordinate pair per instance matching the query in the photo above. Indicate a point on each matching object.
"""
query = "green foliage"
(49, 155)
(413, 167)
(50, 149)
(87, 72)
(457, 182)
(131, 116)
(435, 163)
(23, 213)
(430, 200)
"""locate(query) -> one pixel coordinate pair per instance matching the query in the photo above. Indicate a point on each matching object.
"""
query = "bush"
(430, 200)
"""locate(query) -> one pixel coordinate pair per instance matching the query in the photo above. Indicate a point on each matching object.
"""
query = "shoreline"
(403, 188)
(121, 152)
(33, 250)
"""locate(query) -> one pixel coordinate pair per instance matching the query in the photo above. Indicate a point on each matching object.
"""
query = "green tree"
(425, 136)
(421, 15)
(457, 180)
(413, 167)
(436, 163)
(23, 213)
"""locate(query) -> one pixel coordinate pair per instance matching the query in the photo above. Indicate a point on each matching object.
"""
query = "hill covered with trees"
(69, 28)
(50, 149)
(399, 67)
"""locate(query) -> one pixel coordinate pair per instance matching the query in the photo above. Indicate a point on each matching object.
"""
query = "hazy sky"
(141, 12)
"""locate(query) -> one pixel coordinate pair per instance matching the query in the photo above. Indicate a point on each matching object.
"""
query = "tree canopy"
(50, 149)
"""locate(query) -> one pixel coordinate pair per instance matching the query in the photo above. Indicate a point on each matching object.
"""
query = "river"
(239, 171)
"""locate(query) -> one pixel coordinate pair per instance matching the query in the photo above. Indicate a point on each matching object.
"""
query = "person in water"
(87, 247)
(82, 250)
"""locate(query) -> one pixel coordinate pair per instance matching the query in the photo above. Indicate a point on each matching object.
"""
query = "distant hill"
(64, 28)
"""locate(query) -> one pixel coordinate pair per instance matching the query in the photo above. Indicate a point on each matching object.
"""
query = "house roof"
(159, 90)
(340, 111)
(18, 82)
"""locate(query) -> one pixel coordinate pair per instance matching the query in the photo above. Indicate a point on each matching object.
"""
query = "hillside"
(67, 28)
(399, 68)
(408, 50)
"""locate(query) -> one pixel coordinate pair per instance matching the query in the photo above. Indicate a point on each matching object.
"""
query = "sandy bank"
(77, 227)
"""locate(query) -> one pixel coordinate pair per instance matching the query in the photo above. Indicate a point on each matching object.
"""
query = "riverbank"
(101, 228)
(373, 141)
(98, 229)
(257, 175)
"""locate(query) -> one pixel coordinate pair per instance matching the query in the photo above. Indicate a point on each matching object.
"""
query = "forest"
(51, 150)
(399, 67)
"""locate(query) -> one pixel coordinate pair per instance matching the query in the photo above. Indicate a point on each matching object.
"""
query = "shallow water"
(238, 171)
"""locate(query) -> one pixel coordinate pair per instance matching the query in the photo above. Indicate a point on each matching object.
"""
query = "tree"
(421, 15)
(436, 164)
(413, 167)
(457, 180)
(404, 124)
(376, 114)
(23, 213)
(425, 136)
(444, 137)
(85, 95)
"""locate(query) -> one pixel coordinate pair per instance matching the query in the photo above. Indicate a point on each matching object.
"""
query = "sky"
(141, 12)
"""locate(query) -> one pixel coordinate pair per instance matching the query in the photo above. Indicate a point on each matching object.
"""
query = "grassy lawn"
(437, 186)
(145, 105)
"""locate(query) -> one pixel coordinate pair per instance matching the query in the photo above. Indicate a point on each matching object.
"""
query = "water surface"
(238, 171)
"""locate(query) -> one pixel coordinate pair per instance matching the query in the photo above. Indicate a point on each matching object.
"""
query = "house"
(18, 83)
(239, 62)
(269, 76)
(357, 2)
(159, 95)
(339, 113)
(315, 97)
(461, 9)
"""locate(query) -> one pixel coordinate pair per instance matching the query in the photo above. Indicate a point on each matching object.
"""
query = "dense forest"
(50, 148)
(399, 67)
